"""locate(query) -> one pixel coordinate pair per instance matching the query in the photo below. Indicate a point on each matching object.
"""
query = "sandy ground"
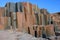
(8, 35)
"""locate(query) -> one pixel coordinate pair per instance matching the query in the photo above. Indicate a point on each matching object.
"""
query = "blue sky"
(51, 5)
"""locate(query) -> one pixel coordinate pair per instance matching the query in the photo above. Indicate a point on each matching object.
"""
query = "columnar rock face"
(3, 20)
(56, 19)
(1, 13)
(27, 17)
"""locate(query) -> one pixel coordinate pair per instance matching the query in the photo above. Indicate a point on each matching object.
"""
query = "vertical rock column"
(14, 24)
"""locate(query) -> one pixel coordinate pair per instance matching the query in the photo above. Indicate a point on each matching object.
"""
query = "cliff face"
(28, 18)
